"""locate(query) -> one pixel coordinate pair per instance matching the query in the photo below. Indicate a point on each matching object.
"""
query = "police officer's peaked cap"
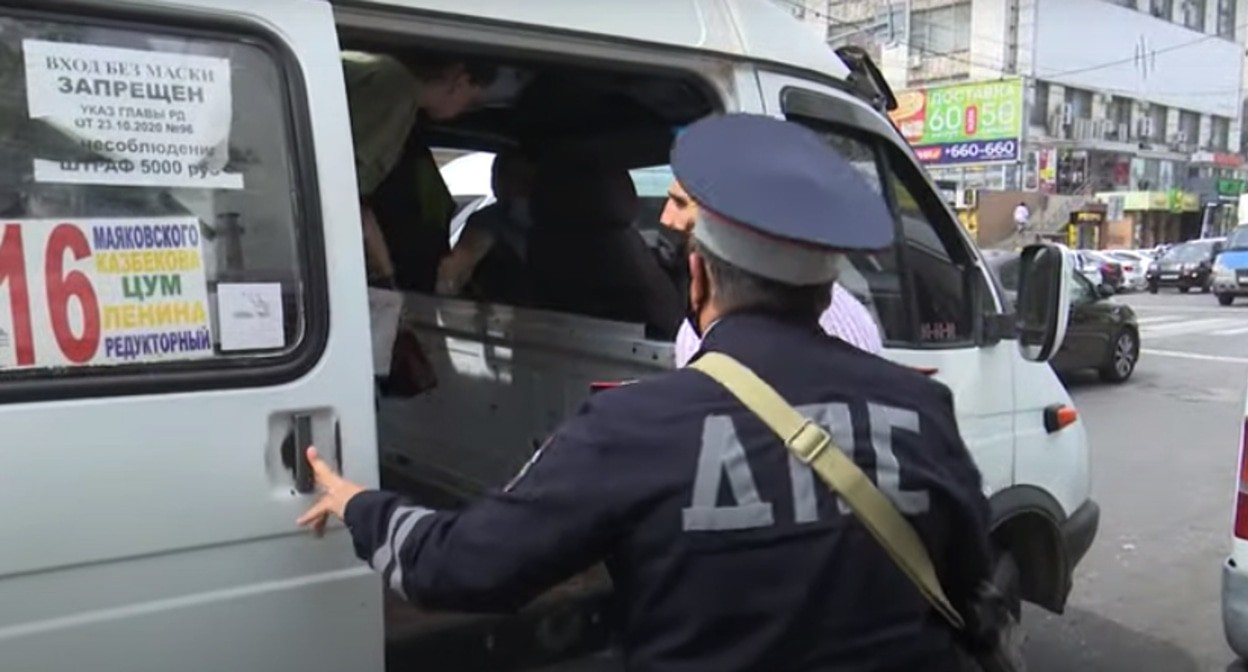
(776, 199)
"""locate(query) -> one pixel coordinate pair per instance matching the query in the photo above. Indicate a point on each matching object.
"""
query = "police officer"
(725, 554)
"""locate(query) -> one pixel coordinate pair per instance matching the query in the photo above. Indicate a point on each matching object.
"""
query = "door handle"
(295, 452)
(305, 482)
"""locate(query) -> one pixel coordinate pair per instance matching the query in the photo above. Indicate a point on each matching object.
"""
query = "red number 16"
(61, 287)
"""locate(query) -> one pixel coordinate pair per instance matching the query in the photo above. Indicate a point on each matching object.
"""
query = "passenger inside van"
(585, 256)
(488, 260)
(403, 200)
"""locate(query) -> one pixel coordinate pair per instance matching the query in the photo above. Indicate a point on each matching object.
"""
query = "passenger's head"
(450, 87)
(679, 211)
(511, 177)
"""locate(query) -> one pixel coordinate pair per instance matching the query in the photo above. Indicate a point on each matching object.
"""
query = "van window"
(870, 278)
(149, 203)
(916, 288)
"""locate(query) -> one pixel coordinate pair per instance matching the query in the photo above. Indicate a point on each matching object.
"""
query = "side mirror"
(866, 79)
(1105, 291)
(1043, 305)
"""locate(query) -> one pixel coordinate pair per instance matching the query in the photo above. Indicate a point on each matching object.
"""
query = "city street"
(1164, 456)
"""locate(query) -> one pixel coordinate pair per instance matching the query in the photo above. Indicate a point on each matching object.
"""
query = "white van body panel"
(156, 533)
(755, 29)
(1058, 463)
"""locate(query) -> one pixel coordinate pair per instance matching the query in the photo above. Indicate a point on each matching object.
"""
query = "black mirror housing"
(1043, 304)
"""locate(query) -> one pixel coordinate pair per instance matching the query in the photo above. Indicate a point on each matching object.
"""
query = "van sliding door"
(166, 347)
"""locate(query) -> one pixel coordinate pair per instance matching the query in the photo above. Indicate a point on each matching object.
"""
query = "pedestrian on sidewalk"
(1022, 217)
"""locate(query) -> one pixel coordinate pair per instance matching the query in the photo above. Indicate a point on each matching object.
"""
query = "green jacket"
(384, 98)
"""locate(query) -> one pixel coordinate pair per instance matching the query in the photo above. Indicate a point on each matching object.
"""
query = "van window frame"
(222, 372)
(864, 125)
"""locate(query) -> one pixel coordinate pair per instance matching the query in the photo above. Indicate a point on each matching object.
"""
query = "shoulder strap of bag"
(813, 446)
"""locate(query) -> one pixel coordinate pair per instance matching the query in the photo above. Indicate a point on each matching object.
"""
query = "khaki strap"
(810, 443)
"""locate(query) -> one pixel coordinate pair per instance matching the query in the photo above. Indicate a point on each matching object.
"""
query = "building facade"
(1066, 96)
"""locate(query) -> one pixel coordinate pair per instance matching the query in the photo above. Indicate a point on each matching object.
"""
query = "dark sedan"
(1186, 266)
(1102, 334)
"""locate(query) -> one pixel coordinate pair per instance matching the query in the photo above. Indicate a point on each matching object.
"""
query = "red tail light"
(1241, 493)
(1128, 268)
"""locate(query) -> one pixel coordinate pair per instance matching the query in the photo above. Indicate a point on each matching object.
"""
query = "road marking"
(1212, 306)
(1189, 327)
(1158, 318)
(1231, 332)
(1195, 355)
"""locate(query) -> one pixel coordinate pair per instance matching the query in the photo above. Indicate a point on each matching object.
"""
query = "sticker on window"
(249, 316)
(142, 118)
(98, 292)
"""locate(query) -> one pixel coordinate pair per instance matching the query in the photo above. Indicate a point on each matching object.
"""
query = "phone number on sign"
(979, 151)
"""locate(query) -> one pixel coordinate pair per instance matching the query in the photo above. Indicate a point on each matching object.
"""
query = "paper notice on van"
(385, 306)
(141, 118)
(100, 292)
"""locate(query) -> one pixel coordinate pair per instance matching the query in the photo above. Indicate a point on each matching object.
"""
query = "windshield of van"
(1238, 240)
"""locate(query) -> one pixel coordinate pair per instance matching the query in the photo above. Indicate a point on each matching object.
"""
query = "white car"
(1134, 267)
(1235, 569)
(1089, 267)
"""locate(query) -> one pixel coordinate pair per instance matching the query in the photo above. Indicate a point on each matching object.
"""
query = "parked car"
(1088, 268)
(1230, 267)
(1185, 266)
(1102, 334)
(1134, 267)
(1112, 273)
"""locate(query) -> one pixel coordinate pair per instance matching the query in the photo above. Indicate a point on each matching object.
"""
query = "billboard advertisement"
(973, 123)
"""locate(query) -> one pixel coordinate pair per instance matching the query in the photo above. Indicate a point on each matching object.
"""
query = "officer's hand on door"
(336, 492)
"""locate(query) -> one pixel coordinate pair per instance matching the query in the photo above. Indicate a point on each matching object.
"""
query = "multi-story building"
(1072, 96)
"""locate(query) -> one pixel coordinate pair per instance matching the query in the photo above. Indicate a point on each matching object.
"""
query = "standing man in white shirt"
(1022, 214)
(846, 318)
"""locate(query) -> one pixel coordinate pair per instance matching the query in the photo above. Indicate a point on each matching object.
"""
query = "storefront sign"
(963, 124)
(1182, 201)
(1087, 217)
(1218, 159)
(1230, 188)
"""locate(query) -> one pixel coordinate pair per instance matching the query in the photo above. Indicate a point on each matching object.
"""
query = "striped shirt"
(846, 318)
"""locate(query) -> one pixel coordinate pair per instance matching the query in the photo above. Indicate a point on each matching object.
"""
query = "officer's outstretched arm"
(556, 518)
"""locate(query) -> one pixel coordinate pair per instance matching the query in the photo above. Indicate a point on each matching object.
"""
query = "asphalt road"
(1164, 451)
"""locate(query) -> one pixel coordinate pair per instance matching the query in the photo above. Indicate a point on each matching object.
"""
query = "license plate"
(1169, 276)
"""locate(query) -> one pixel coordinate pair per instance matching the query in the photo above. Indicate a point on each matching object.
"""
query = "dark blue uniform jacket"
(725, 553)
